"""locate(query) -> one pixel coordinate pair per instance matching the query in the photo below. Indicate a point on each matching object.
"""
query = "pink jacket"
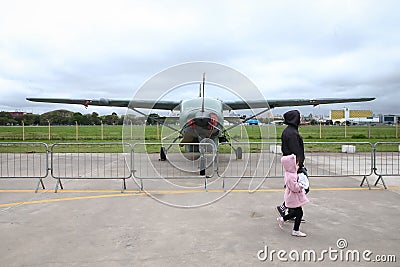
(294, 193)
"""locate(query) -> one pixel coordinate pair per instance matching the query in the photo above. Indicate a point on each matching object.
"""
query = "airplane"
(201, 118)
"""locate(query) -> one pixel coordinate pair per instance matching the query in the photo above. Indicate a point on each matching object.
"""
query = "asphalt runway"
(91, 223)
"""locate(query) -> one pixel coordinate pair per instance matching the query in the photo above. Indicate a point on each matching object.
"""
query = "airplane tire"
(239, 153)
(202, 166)
(163, 155)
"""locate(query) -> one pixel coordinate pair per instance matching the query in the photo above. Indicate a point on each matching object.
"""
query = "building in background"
(353, 117)
(390, 119)
(17, 113)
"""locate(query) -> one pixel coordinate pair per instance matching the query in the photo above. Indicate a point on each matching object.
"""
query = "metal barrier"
(255, 160)
(262, 160)
(322, 158)
(339, 159)
(387, 160)
(91, 161)
(196, 161)
(235, 160)
(24, 160)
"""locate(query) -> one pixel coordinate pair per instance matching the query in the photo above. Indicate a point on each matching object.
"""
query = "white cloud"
(94, 49)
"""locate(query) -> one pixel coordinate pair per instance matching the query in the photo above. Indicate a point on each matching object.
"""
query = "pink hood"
(294, 193)
(289, 163)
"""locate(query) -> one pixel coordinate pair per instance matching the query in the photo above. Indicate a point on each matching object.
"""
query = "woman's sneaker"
(280, 222)
(298, 233)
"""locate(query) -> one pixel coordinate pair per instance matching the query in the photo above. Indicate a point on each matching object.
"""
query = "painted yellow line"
(183, 191)
(143, 193)
(66, 199)
(64, 191)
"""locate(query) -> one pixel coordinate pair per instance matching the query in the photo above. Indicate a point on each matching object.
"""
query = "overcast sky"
(289, 49)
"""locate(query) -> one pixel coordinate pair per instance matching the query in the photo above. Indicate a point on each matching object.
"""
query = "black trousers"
(296, 213)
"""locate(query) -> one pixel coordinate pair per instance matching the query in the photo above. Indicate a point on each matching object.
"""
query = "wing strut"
(160, 122)
(249, 118)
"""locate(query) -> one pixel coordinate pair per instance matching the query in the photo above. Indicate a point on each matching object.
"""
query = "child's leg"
(292, 213)
(298, 214)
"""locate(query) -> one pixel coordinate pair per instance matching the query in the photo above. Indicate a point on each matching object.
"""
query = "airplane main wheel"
(239, 153)
(163, 155)
(202, 165)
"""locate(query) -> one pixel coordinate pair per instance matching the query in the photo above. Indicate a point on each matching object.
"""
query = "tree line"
(65, 117)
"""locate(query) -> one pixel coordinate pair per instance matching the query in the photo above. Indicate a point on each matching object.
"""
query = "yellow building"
(360, 113)
(345, 114)
(337, 115)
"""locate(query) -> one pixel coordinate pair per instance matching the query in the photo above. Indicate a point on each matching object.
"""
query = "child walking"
(295, 196)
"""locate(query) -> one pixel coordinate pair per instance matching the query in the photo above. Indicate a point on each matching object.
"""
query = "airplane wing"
(148, 104)
(229, 105)
(232, 105)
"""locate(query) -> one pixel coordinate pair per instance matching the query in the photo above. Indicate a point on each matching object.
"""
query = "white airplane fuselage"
(199, 123)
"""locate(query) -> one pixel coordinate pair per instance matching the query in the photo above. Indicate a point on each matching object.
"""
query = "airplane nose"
(202, 119)
(201, 122)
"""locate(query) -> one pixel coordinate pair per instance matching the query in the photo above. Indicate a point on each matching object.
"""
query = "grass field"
(371, 134)
(152, 134)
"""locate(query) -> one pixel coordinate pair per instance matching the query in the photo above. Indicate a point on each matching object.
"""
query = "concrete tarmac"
(91, 223)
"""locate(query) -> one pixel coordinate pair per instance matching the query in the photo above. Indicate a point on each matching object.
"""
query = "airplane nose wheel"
(207, 149)
(202, 166)
(238, 153)
(163, 154)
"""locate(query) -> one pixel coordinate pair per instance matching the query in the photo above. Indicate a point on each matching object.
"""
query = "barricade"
(387, 160)
(329, 159)
(323, 159)
(235, 160)
(91, 161)
(257, 159)
(174, 162)
(24, 160)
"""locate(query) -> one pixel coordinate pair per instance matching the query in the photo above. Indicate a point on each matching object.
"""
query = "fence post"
(102, 130)
(320, 130)
(76, 130)
(49, 129)
(23, 131)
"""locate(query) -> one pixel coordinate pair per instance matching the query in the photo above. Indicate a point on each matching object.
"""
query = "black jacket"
(292, 142)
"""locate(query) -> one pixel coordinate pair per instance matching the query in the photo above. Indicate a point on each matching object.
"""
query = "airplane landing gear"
(163, 154)
(239, 152)
(202, 165)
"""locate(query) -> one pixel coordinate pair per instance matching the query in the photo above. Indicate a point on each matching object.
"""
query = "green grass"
(342, 134)
(152, 134)
(114, 133)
